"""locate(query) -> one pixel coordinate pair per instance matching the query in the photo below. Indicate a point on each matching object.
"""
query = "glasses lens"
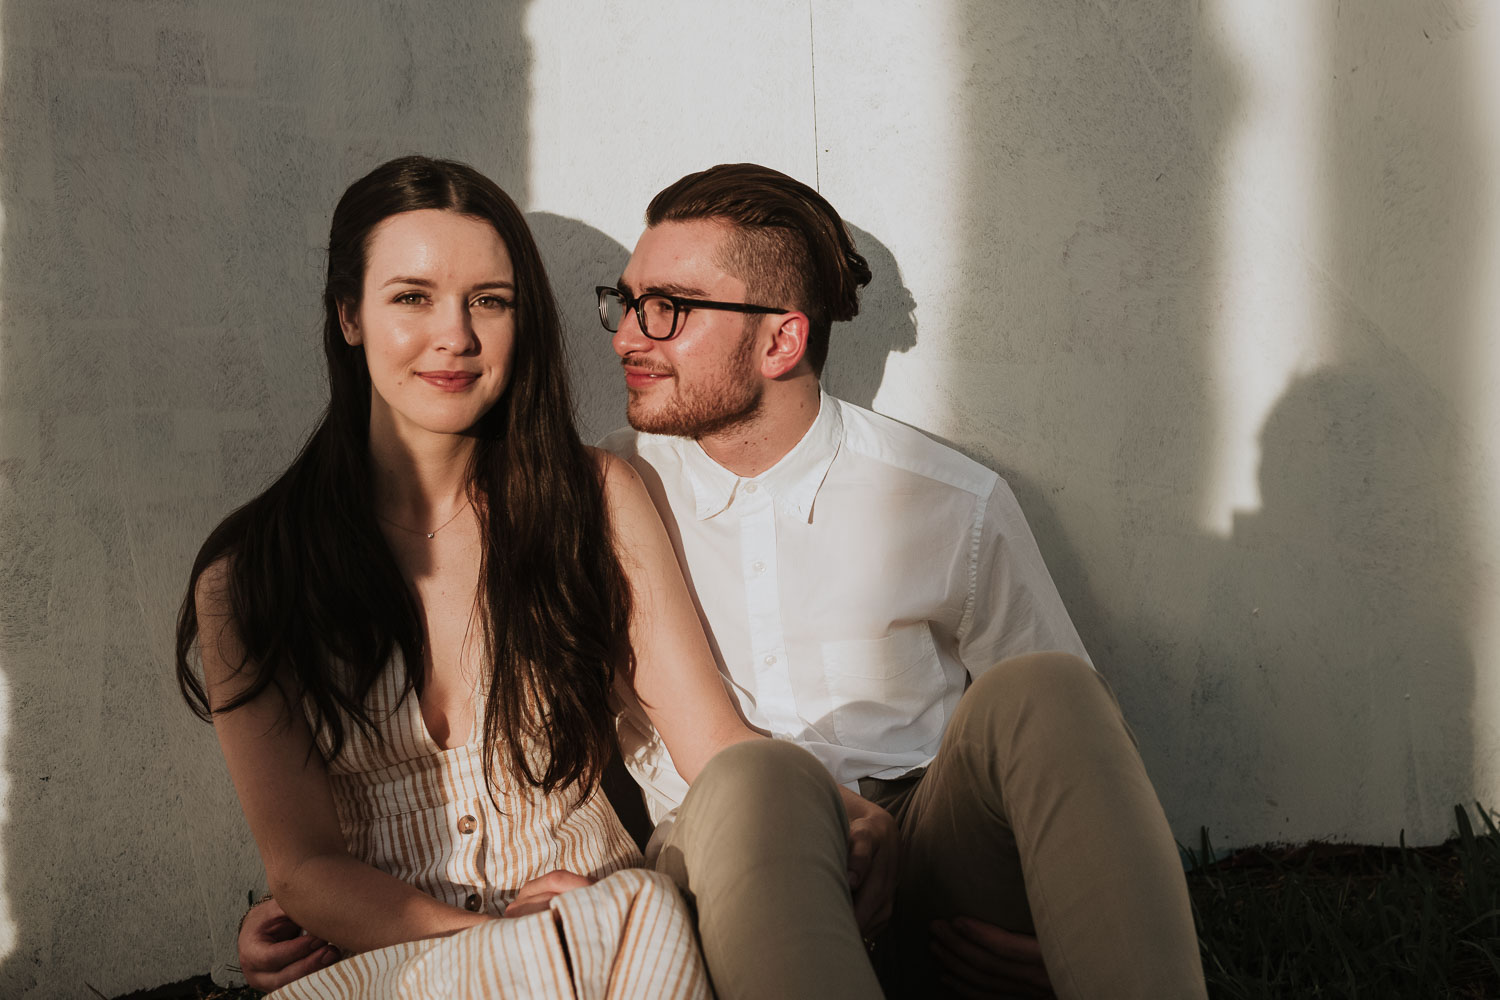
(611, 308)
(661, 316)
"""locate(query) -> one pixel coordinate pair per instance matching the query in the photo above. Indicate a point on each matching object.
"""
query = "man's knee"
(1031, 688)
(755, 804)
(756, 772)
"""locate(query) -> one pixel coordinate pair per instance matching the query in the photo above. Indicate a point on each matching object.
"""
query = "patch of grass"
(1343, 921)
(197, 988)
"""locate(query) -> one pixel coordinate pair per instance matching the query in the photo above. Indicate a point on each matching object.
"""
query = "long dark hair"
(314, 590)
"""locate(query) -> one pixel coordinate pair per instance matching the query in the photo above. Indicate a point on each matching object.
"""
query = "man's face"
(705, 379)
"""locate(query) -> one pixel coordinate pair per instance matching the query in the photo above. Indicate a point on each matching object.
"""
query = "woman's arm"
(676, 679)
(284, 792)
(678, 682)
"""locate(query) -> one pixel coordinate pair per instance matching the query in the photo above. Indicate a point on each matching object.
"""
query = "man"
(856, 579)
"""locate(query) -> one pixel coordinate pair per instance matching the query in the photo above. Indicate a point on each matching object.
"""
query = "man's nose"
(629, 339)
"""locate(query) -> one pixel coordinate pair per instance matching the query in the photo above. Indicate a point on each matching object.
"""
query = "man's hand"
(536, 895)
(980, 960)
(874, 859)
(274, 951)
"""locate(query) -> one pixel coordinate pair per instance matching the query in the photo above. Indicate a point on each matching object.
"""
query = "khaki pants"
(1037, 815)
(760, 848)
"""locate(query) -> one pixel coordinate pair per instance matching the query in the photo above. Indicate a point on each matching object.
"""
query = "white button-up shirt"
(850, 592)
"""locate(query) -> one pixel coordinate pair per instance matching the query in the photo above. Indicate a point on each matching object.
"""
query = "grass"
(1324, 921)
(1343, 921)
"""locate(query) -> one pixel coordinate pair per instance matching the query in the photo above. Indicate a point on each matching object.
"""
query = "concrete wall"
(1213, 284)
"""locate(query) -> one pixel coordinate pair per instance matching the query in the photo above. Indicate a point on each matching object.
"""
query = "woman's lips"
(449, 381)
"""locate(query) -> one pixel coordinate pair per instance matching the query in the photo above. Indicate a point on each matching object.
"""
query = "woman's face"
(437, 322)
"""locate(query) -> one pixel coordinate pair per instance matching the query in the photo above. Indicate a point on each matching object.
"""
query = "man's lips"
(638, 376)
(449, 381)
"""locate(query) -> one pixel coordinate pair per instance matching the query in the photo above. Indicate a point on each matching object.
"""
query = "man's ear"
(349, 323)
(788, 346)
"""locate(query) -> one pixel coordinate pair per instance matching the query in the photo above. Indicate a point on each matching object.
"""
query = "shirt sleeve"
(1012, 604)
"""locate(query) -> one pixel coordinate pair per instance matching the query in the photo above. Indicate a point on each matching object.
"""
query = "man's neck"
(752, 446)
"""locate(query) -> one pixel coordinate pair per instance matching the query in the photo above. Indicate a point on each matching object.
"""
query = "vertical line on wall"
(208, 83)
(812, 58)
(9, 931)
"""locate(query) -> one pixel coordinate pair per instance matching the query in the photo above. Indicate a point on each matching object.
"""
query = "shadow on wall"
(1349, 651)
(1308, 676)
(579, 258)
(886, 325)
(167, 182)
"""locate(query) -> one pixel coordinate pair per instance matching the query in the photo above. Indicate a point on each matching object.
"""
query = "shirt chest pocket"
(887, 693)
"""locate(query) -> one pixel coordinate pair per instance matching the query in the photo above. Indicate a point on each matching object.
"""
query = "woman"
(445, 541)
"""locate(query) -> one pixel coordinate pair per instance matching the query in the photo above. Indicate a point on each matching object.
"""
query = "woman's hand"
(874, 860)
(536, 895)
(274, 951)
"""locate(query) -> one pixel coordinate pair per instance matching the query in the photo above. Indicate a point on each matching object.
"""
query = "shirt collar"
(793, 482)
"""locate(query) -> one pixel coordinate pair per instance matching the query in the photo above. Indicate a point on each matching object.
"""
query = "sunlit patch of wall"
(1268, 319)
(900, 184)
(626, 98)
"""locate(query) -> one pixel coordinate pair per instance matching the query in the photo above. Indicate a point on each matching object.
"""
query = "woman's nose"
(455, 332)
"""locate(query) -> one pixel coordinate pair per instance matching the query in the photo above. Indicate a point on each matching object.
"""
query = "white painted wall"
(1212, 284)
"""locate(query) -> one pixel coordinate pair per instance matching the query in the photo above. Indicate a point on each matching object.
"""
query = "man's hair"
(787, 243)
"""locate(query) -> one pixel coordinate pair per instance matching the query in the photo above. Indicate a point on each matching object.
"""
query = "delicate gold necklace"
(419, 531)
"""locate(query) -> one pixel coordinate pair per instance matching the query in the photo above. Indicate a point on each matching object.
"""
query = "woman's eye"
(409, 298)
(492, 302)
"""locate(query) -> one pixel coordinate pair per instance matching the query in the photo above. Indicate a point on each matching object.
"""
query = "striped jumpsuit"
(423, 814)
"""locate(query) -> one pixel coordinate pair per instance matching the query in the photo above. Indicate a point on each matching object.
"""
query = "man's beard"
(733, 397)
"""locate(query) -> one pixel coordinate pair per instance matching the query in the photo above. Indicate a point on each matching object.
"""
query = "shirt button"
(758, 566)
(472, 903)
(771, 659)
(467, 824)
(751, 487)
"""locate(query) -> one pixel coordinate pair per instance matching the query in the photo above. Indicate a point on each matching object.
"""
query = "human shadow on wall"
(1342, 656)
(168, 178)
(886, 325)
(579, 258)
(1331, 671)
(1090, 305)
(1407, 267)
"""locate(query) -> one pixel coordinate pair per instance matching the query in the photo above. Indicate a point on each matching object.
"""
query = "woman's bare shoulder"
(621, 482)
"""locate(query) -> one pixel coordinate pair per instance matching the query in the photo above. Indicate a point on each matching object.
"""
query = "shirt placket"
(763, 600)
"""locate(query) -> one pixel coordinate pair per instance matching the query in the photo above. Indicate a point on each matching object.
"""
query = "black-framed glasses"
(657, 313)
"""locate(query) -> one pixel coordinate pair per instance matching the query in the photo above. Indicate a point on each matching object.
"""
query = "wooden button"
(472, 903)
(467, 824)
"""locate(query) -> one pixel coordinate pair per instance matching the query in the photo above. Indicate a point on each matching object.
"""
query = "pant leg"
(1037, 815)
(760, 847)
